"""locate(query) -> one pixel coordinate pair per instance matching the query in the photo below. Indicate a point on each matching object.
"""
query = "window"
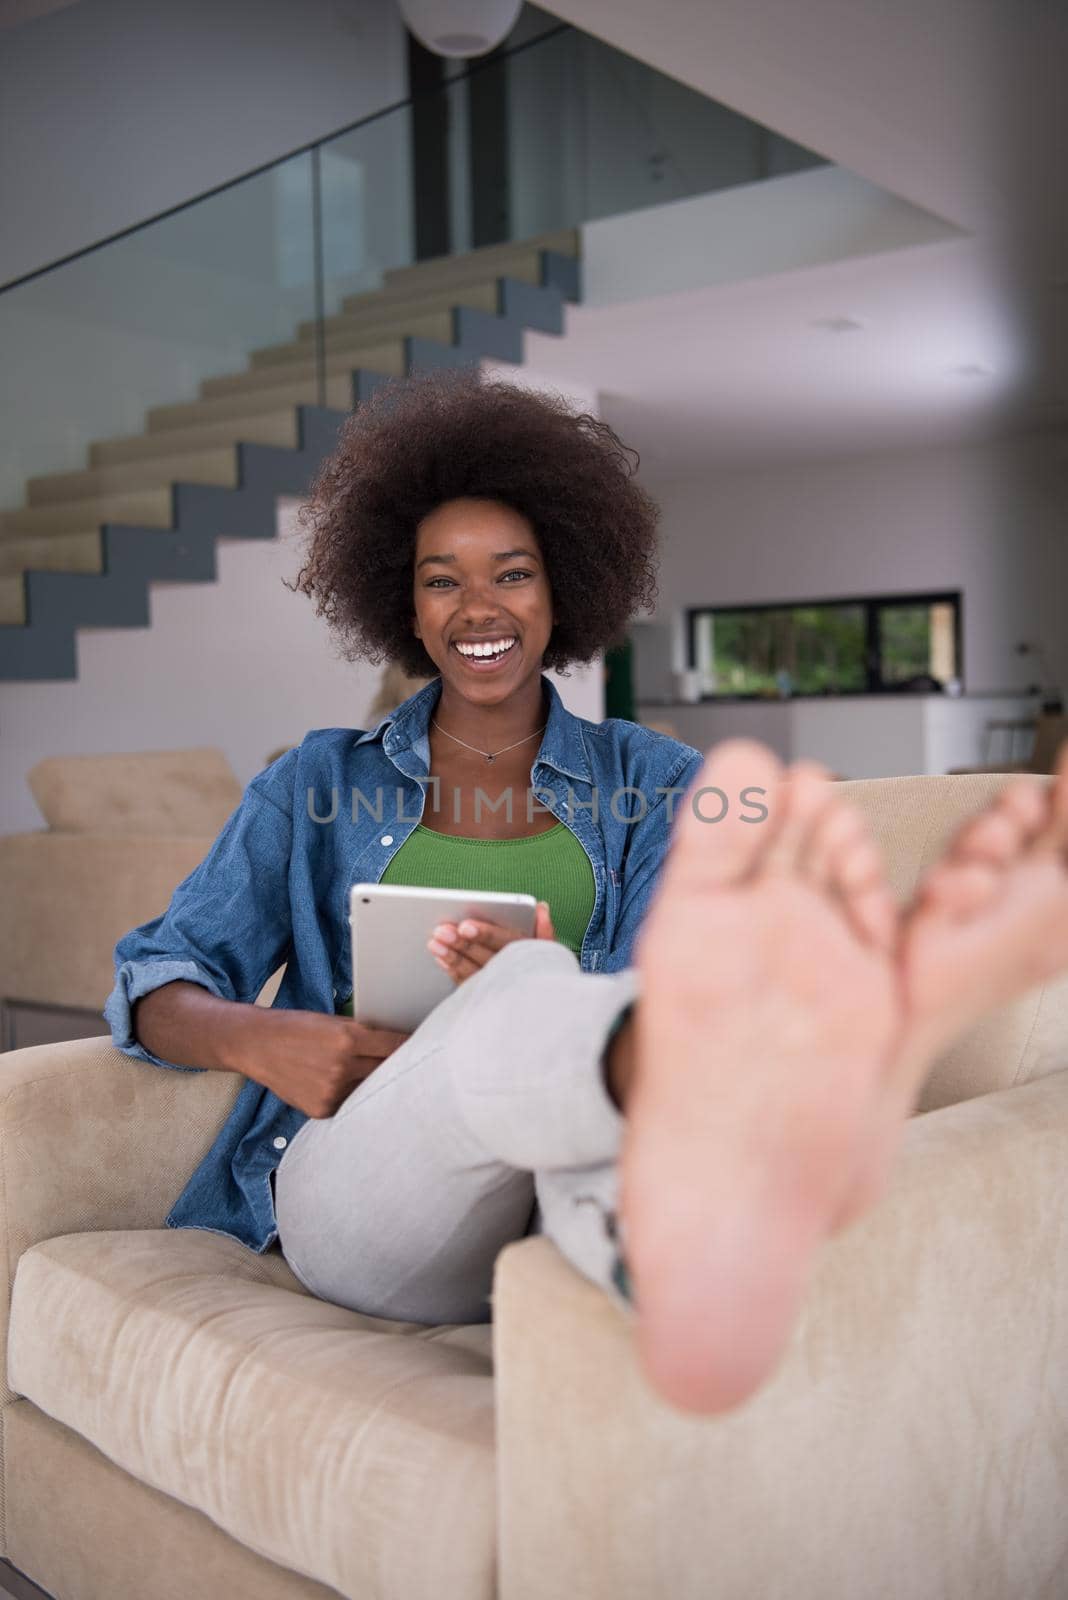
(890, 644)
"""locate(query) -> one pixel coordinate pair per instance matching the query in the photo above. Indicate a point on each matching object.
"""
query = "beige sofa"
(182, 1418)
(122, 831)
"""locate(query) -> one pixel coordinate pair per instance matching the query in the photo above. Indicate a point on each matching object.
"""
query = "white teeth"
(496, 647)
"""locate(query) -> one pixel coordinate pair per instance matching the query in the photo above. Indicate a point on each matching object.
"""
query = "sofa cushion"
(190, 792)
(913, 820)
(354, 1450)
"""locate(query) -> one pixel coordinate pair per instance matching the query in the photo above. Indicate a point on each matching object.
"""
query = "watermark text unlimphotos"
(626, 805)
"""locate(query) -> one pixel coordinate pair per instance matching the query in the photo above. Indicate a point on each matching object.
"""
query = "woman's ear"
(415, 627)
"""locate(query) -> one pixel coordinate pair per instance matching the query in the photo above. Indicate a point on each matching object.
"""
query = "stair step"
(12, 600)
(381, 304)
(379, 358)
(217, 467)
(130, 482)
(149, 507)
(501, 260)
(430, 325)
(347, 336)
(294, 392)
(54, 552)
(272, 427)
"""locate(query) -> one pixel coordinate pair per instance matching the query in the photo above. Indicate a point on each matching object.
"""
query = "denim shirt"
(274, 888)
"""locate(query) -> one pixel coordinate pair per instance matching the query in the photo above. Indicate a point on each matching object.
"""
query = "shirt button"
(280, 1143)
(387, 838)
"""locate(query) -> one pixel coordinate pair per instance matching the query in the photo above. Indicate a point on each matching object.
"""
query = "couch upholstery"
(123, 831)
(189, 792)
(182, 1417)
(912, 1446)
(173, 1353)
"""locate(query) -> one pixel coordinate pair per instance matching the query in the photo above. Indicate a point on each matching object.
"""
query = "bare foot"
(769, 1017)
(990, 921)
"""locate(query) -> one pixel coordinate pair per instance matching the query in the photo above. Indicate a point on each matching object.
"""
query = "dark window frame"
(871, 606)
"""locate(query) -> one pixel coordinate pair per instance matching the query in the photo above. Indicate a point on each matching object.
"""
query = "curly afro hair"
(450, 434)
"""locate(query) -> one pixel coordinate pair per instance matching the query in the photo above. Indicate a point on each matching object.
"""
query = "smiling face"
(483, 607)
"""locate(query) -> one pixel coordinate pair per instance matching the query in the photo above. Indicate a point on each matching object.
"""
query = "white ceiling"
(741, 372)
(954, 105)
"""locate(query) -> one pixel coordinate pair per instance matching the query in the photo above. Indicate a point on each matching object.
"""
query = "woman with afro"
(477, 534)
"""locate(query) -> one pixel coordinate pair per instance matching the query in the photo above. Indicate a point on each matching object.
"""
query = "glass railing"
(171, 327)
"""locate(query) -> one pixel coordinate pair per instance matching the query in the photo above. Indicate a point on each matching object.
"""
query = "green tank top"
(552, 866)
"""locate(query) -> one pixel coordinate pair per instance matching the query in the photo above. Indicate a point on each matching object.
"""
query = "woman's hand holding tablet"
(397, 980)
(462, 951)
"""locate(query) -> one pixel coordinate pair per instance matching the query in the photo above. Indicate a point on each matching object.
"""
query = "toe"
(803, 799)
(995, 837)
(1027, 805)
(857, 875)
(961, 888)
(838, 826)
(729, 815)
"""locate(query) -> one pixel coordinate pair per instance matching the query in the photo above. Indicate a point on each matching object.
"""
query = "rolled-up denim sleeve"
(228, 925)
(647, 850)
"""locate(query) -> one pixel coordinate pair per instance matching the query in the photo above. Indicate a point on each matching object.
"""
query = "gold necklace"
(489, 755)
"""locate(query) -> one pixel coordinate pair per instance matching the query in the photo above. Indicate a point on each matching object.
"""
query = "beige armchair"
(123, 831)
(182, 1417)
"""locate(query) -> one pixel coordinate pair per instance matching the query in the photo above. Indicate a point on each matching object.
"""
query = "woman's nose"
(479, 603)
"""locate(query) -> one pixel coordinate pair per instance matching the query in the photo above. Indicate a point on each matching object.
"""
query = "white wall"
(242, 663)
(113, 110)
(987, 519)
(984, 518)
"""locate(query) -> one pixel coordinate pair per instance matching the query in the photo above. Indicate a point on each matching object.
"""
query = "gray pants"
(490, 1122)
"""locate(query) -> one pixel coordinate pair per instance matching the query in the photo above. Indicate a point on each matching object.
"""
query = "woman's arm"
(308, 1059)
(228, 925)
(185, 982)
(184, 1022)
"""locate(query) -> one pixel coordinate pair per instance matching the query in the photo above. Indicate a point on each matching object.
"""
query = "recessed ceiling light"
(838, 324)
(970, 369)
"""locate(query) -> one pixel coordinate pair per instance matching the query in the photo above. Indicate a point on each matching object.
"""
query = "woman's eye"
(441, 581)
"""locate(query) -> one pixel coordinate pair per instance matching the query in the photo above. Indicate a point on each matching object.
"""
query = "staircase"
(87, 545)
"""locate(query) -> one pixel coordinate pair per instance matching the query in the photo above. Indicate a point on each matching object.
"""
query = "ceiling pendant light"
(460, 27)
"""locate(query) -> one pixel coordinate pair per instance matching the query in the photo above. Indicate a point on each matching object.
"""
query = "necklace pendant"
(490, 759)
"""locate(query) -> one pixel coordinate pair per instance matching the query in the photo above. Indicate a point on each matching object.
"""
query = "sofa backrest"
(912, 820)
(172, 792)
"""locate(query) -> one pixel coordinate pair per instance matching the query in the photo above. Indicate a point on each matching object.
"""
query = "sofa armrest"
(68, 899)
(913, 1442)
(92, 1139)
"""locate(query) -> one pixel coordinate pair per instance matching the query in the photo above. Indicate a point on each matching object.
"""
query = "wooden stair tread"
(376, 357)
(148, 507)
(269, 427)
(191, 413)
(380, 305)
(55, 552)
(217, 467)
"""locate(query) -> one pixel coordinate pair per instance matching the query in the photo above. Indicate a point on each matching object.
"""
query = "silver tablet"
(395, 980)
